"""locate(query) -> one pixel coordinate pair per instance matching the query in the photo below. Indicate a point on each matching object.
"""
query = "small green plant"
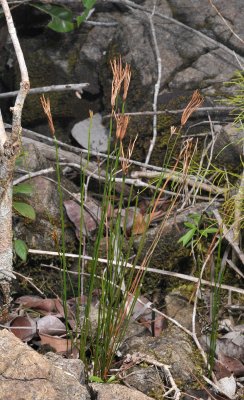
(195, 231)
(63, 19)
(25, 210)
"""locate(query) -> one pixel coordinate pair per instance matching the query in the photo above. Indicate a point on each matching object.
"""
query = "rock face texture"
(27, 375)
(116, 392)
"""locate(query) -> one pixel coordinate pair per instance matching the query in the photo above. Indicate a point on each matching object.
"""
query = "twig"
(235, 268)
(177, 176)
(181, 24)
(29, 280)
(25, 84)
(33, 174)
(8, 151)
(229, 236)
(226, 23)
(140, 357)
(156, 87)
(128, 265)
(100, 23)
(175, 112)
(46, 89)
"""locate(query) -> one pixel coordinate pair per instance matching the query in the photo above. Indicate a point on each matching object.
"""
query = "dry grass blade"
(192, 106)
(47, 110)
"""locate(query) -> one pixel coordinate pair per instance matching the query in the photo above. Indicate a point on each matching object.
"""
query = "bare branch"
(225, 22)
(25, 84)
(156, 88)
(46, 89)
(219, 109)
(128, 265)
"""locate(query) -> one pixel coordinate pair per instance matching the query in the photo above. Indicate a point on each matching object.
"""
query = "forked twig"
(156, 87)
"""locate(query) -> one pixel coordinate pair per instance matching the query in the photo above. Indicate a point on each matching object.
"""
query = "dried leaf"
(61, 345)
(23, 327)
(132, 221)
(232, 364)
(153, 321)
(232, 345)
(51, 325)
(90, 219)
(37, 303)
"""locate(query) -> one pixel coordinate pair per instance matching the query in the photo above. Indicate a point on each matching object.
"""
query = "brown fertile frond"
(125, 163)
(118, 77)
(126, 80)
(47, 110)
(192, 106)
(121, 125)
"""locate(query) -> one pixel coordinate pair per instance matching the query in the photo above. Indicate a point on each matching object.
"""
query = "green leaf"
(196, 217)
(189, 225)
(89, 3)
(62, 17)
(97, 379)
(23, 188)
(24, 209)
(21, 249)
(111, 379)
(205, 232)
(185, 239)
(210, 230)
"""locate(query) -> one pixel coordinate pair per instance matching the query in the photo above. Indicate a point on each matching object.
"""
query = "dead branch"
(177, 176)
(228, 234)
(77, 87)
(225, 22)
(156, 87)
(218, 109)
(9, 149)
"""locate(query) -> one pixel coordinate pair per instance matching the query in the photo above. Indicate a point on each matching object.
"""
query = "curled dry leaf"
(231, 344)
(61, 345)
(23, 327)
(91, 218)
(50, 325)
(37, 303)
(143, 313)
(233, 365)
(132, 221)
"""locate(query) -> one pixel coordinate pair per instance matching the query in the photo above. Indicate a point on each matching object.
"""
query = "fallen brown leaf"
(61, 345)
(23, 327)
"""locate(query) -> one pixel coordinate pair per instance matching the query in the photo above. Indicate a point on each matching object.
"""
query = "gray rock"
(97, 134)
(174, 347)
(72, 366)
(116, 392)
(25, 374)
